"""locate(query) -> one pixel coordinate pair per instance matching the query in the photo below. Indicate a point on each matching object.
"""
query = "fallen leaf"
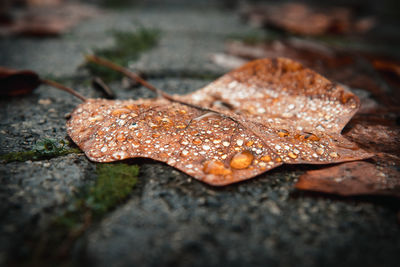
(17, 82)
(307, 20)
(49, 19)
(355, 178)
(267, 113)
(380, 176)
(21, 82)
(350, 69)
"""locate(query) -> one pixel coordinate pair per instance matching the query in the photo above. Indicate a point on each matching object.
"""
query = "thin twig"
(128, 73)
(64, 88)
(98, 83)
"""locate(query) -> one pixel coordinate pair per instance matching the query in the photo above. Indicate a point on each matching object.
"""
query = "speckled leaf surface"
(260, 116)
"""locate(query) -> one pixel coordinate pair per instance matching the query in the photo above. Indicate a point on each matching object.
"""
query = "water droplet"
(121, 137)
(120, 111)
(250, 143)
(103, 149)
(320, 128)
(292, 155)
(184, 142)
(133, 125)
(95, 118)
(135, 144)
(311, 137)
(319, 151)
(261, 110)
(283, 133)
(225, 143)
(239, 142)
(180, 126)
(216, 167)
(119, 155)
(216, 141)
(206, 147)
(166, 121)
(171, 161)
(277, 147)
(242, 160)
(266, 158)
(291, 106)
(224, 156)
(197, 141)
(333, 154)
(153, 125)
(185, 153)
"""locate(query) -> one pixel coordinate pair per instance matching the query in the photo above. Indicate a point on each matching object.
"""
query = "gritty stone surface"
(171, 219)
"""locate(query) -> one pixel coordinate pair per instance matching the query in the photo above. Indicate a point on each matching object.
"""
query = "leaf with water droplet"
(275, 112)
(379, 176)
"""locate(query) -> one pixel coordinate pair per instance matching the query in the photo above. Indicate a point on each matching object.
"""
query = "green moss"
(43, 149)
(127, 47)
(113, 185)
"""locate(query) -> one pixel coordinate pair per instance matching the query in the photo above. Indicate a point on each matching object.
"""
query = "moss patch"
(114, 184)
(43, 149)
(127, 47)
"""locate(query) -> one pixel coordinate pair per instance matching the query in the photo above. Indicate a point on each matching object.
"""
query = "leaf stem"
(128, 73)
(64, 88)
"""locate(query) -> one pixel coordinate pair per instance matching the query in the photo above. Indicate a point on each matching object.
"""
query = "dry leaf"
(17, 82)
(307, 20)
(355, 178)
(350, 69)
(260, 116)
(21, 82)
(380, 176)
(47, 20)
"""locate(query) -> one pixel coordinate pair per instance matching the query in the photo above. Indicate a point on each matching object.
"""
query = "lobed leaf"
(260, 116)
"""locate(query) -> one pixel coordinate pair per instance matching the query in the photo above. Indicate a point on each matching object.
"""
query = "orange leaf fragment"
(355, 178)
(305, 19)
(229, 131)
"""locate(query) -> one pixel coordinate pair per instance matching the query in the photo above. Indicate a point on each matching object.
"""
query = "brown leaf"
(356, 178)
(253, 119)
(49, 19)
(340, 66)
(307, 20)
(381, 176)
(17, 82)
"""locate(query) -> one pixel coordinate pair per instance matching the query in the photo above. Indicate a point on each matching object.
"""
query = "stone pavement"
(171, 219)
